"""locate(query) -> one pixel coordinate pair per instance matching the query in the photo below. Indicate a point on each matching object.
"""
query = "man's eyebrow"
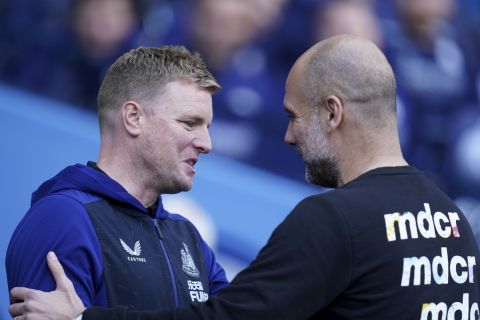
(192, 117)
(195, 119)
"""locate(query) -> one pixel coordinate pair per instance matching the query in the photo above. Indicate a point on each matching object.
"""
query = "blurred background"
(54, 53)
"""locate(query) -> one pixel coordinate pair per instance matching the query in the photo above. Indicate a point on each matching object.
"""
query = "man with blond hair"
(105, 220)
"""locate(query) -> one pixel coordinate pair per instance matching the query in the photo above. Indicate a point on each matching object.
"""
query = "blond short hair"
(138, 75)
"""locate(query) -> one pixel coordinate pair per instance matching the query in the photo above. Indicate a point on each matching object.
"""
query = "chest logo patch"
(135, 253)
(137, 249)
(188, 265)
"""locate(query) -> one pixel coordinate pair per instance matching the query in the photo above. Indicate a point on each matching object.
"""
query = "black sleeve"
(306, 263)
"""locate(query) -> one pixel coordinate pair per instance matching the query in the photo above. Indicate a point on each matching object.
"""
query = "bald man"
(384, 244)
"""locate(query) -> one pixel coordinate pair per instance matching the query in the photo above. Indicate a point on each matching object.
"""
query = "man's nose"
(289, 137)
(203, 142)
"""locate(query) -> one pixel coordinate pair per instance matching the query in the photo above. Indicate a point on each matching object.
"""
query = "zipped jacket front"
(115, 252)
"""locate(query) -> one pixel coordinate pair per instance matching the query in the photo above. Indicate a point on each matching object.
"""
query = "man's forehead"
(296, 74)
(295, 80)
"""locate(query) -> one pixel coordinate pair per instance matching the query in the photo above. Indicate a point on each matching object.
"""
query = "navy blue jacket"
(111, 248)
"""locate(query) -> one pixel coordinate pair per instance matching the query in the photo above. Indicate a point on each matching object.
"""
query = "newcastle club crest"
(188, 265)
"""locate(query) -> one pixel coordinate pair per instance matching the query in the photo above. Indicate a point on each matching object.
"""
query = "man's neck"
(353, 172)
(357, 161)
(360, 151)
(129, 180)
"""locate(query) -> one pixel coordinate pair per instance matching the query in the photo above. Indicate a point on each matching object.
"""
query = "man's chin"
(187, 184)
(180, 186)
(324, 182)
(185, 187)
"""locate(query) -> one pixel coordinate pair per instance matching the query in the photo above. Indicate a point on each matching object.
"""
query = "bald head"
(340, 97)
(356, 71)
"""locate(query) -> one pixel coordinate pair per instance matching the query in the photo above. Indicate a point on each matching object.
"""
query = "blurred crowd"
(62, 48)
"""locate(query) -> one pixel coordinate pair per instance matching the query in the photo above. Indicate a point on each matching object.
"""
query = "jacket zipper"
(169, 264)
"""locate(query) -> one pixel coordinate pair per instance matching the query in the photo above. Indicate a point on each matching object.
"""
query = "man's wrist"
(79, 317)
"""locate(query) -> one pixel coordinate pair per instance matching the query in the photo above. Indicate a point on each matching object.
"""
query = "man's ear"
(334, 112)
(132, 114)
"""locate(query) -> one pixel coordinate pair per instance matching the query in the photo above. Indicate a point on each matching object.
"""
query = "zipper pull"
(157, 228)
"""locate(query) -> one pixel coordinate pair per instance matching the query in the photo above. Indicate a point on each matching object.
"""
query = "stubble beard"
(321, 165)
(161, 173)
(173, 181)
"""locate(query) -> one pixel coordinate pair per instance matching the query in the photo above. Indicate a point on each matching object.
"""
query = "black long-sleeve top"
(387, 245)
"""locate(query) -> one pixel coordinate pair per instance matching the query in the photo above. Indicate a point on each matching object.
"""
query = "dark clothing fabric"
(387, 245)
(145, 262)
(115, 253)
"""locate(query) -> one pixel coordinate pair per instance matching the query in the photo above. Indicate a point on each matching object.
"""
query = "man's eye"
(189, 123)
